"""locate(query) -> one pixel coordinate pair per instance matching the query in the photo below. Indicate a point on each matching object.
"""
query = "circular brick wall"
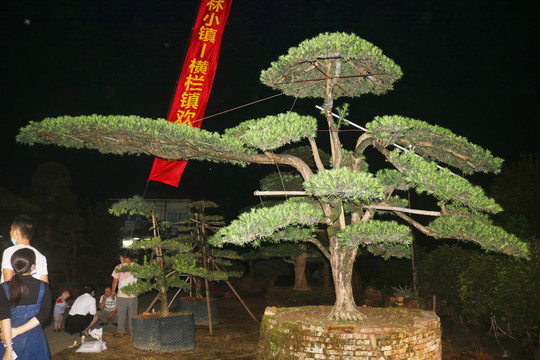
(387, 333)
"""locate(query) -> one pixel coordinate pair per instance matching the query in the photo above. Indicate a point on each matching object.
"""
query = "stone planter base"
(388, 333)
(153, 332)
(199, 309)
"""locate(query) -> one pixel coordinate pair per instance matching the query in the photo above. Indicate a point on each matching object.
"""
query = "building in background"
(135, 227)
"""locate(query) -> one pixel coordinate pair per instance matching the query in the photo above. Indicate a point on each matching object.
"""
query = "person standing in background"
(126, 304)
(22, 230)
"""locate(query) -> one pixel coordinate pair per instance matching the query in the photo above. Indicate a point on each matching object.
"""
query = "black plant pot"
(153, 332)
(199, 309)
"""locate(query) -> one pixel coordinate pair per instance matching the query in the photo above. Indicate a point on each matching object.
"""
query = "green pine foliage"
(433, 142)
(387, 238)
(296, 234)
(361, 67)
(441, 183)
(392, 180)
(479, 228)
(276, 251)
(272, 132)
(344, 184)
(258, 224)
(132, 135)
(134, 205)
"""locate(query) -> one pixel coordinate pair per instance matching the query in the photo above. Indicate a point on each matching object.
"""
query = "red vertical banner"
(195, 82)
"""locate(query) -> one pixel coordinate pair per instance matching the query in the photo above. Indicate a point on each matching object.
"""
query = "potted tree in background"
(165, 260)
(196, 229)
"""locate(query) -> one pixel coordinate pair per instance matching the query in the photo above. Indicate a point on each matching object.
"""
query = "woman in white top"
(82, 315)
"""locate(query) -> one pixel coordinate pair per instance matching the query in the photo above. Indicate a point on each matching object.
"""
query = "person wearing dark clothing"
(25, 303)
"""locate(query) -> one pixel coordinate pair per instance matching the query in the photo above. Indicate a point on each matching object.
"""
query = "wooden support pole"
(238, 296)
(405, 210)
(174, 297)
(279, 193)
(200, 229)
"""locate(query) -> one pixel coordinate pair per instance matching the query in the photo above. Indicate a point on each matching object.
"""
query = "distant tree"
(347, 200)
(296, 254)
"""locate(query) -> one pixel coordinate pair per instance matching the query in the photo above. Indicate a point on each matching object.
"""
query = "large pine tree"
(345, 199)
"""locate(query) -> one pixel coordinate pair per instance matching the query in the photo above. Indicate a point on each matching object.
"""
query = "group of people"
(116, 307)
(25, 299)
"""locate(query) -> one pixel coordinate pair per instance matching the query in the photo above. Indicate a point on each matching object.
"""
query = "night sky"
(471, 66)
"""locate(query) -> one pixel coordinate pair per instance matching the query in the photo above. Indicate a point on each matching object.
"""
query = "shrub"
(440, 270)
(506, 289)
(484, 286)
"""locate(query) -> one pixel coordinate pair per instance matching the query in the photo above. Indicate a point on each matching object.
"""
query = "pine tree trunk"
(163, 295)
(342, 262)
(300, 280)
(198, 288)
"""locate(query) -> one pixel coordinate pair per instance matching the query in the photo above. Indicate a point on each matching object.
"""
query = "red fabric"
(195, 82)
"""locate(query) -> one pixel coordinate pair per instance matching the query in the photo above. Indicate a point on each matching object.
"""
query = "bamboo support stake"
(174, 297)
(238, 296)
(279, 193)
(405, 210)
(200, 229)
(157, 296)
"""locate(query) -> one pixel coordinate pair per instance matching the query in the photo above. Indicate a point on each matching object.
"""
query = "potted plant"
(406, 296)
(164, 261)
(194, 233)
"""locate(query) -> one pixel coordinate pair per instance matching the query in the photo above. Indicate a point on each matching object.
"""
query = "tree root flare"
(346, 315)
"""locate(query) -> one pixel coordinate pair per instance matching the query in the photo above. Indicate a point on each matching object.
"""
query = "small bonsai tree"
(346, 200)
(164, 260)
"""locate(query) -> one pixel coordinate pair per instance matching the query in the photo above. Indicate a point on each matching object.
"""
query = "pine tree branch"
(361, 144)
(316, 155)
(416, 224)
(290, 160)
(320, 246)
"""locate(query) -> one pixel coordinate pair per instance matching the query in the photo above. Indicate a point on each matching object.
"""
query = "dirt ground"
(235, 337)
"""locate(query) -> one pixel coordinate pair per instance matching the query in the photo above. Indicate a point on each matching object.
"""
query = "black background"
(470, 66)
